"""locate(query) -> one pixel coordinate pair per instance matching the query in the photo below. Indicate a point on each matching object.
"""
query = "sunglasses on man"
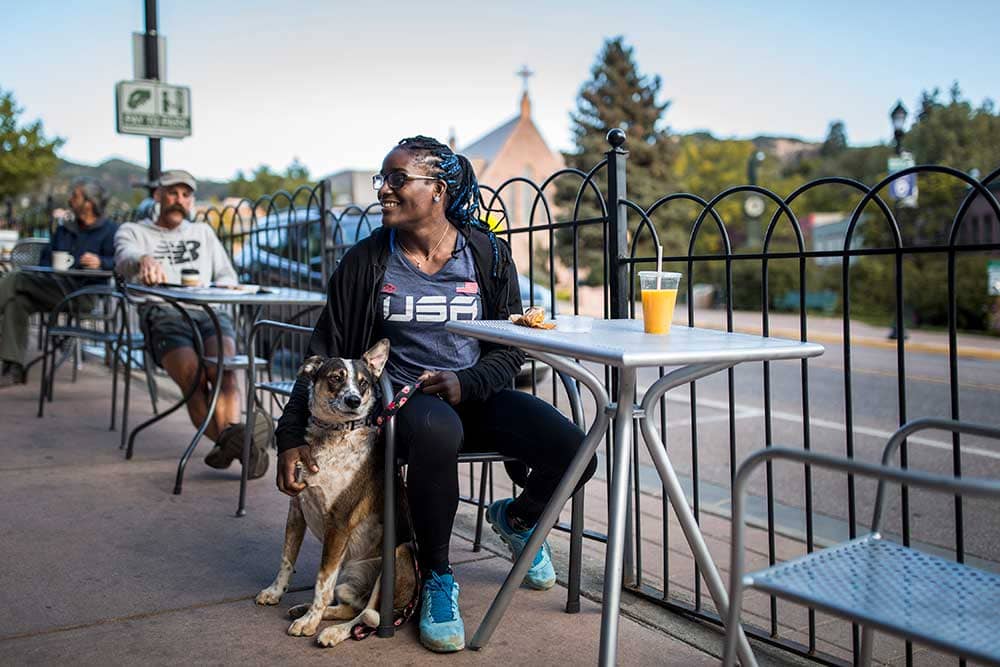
(398, 179)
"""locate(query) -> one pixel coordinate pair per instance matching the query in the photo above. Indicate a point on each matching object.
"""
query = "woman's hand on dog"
(443, 384)
(286, 469)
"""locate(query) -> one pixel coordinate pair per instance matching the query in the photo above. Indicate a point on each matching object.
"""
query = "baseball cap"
(177, 177)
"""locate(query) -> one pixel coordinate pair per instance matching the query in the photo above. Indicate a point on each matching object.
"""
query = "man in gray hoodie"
(165, 249)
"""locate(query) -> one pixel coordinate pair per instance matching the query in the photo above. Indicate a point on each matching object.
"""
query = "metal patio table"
(105, 274)
(64, 281)
(622, 344)
(205, 298)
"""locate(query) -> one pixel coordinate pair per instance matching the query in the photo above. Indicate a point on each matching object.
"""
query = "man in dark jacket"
(89, 239)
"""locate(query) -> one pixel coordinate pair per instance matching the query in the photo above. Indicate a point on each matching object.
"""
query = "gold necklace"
(427, 257)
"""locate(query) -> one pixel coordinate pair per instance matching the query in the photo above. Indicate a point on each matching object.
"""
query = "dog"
(342, 504)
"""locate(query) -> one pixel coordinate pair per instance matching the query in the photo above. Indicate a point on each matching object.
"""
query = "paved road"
(876, 413)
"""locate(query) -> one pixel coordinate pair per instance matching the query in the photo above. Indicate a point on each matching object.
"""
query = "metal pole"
(152, 73)
(618, 289)
(617, 225)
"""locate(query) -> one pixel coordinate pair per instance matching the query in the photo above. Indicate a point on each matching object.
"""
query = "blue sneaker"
(441, 627)
(541, 576)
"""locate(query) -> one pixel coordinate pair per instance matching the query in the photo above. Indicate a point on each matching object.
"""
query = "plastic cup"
(658, 301)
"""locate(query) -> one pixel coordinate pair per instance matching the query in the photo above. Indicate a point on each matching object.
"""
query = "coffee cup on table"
(62, 260)
(190, 278)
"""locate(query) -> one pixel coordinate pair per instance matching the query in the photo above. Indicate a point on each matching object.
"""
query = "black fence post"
(617, 225)
(50, 215)
(327, 241)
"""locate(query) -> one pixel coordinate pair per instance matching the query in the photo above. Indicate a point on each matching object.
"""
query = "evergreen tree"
(836, 140)
(27, 157)
(617, 95)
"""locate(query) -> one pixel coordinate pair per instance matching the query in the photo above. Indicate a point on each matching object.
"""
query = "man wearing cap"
(158, 250)
(89, 239)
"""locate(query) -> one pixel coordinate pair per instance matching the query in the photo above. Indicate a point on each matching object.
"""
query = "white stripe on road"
(744, 411)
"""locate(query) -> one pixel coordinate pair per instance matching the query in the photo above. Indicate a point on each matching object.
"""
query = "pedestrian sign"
(153, 109)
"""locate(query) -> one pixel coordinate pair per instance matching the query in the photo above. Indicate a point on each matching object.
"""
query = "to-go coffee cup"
(62, 260)
(190, 278)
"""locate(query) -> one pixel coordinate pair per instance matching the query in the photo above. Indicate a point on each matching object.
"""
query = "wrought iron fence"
(781, 270)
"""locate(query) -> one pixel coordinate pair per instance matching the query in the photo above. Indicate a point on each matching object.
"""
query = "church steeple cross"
(525, 74)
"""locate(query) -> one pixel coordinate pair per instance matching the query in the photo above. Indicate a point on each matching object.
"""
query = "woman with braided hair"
(433, 261)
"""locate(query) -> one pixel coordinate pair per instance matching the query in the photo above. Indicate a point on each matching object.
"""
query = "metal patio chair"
(872, 581)
(28, 252)
(386, 626)
(64, 323)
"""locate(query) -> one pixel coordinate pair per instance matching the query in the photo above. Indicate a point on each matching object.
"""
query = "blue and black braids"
(455, 170)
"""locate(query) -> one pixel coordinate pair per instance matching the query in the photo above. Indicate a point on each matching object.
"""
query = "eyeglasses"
(397, 179)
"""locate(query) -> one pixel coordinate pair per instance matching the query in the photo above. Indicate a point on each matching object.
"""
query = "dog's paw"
(298, 611)
(334, 634)
(268, 596)
(304, 627)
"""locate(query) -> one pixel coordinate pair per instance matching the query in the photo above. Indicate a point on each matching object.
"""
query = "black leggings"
(431, 433)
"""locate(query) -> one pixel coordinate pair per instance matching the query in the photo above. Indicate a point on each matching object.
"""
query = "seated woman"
(433, 261)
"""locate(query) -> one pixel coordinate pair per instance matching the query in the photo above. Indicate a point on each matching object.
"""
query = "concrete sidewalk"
(103, 565)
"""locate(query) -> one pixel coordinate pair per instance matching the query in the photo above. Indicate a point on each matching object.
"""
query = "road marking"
(743, 411)
(918, 378)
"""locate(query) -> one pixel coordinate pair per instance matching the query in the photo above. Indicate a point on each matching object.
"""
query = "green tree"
(617, 95)
(836, 140)
(265, 181)
(27, 157)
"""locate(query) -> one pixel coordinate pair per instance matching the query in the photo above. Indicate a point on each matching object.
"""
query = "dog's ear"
(377, 356)
(311, 365)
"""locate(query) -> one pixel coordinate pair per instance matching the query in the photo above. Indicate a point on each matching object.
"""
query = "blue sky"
(336, 84)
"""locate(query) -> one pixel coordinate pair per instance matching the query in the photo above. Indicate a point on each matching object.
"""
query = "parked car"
(282, 250)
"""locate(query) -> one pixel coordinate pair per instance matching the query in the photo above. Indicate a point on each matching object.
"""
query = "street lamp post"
(753, 206)
(898, 118)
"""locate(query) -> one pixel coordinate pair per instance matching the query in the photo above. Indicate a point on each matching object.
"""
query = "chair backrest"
(28, 252)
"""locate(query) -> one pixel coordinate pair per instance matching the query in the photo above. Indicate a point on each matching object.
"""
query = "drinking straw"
(659, 265)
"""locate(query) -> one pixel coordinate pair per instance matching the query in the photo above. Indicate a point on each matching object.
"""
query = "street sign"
(903, 189)
(993, 277)
(153, 109)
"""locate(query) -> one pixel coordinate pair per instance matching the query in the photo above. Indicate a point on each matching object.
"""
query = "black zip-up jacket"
(346, 327)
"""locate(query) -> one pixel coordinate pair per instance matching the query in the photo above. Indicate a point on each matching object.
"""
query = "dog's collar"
(398, 401)
(341, 426)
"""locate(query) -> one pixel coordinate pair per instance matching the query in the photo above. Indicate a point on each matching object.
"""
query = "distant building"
(827, 232)
(980, 224)
(516, 149)
(352, 186)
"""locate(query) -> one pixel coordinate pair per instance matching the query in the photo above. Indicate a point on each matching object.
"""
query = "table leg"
(216, 390)
(562, 493)
(199, 347)
(241, 509)
(676, 493)
(616, 521)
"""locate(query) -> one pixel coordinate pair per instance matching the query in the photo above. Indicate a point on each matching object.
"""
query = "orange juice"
(658, 310)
